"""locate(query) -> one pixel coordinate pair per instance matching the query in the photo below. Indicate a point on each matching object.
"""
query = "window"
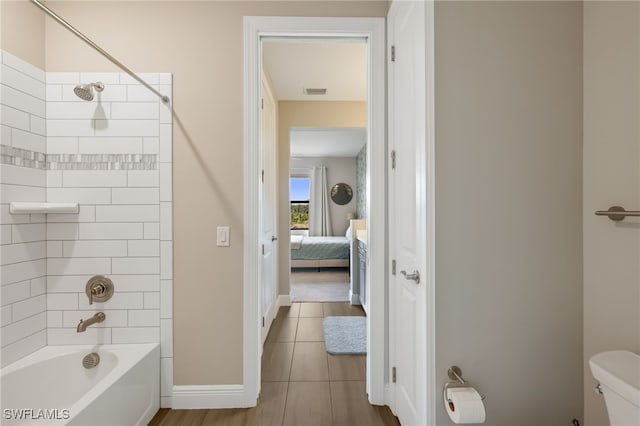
(300, 188)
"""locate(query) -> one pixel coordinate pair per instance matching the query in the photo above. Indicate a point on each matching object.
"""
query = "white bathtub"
(51, 386)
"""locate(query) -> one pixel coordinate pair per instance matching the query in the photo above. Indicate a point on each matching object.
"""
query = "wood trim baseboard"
(209, 396)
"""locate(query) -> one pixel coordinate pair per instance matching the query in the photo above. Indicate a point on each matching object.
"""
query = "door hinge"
(263, 249)
(262, 103)
(393, 267)
(393, 159)
(393, 374)
(393, 53)
(263, 176)
(263, 321)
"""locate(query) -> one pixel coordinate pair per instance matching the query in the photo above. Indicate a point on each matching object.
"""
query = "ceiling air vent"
(310, 91)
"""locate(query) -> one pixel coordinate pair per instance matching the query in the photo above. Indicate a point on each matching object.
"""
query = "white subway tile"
(14, 253)
(69, 336)
(54, 248)
(152, 231)
(5, 135)
(126, 128)
(151, 145)
(86, 214)
(139, 93)
(78, 266)
(136, 265)
(16, 175)
(22, 82)
(95, 248)
(144, 318)
(6, 218)
(54, 178)
(53, 92)
(110, 145)
(136, 283)
(9, 193)
(166, 184)
(118, 301)
(22, 101)
(62, 145)
(149, 78)
(166, 260)
(136, 335)
(135, 195)
(166, 298)
(113, 318)
(166, 377)
(5, 315)
(110, 231)
(15, 118)
(141, 248)
(5, 234)
(166, 338)
(137, 110)
(62, 231)
(54, 319)
(80, 110)
(23, 271)
(27, 233)
(152, 301)
(106, 78)
(14, 292)
(70, 128)
(166, 78)
(63, 301)
(24, 67)
(38, 125)
(67, 283)
(79, 195)
(29, 307)
(20, 329)
(166, 151)
(38, 218)
(63, 78)
(93, 178)
(128, 213)
(166, 112)
(38, 286)
(24, 347)
(143, 178)
(166, 228)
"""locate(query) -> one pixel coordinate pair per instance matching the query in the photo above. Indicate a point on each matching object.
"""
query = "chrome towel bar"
(617, 213)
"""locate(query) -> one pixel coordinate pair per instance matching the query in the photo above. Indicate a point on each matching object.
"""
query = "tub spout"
(83, 324)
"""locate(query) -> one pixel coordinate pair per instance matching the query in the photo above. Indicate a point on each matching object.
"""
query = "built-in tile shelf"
(35, 208)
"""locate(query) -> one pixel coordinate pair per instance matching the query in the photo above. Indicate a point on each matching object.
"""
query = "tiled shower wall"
(23, 251)
(113, 156)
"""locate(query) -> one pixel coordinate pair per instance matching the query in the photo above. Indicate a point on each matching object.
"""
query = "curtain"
(319, 213)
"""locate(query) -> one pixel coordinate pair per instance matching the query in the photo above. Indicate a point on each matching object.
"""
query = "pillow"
(348, 233)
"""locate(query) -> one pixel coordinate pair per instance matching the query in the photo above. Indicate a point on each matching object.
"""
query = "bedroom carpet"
(323, 286)
(345, 335)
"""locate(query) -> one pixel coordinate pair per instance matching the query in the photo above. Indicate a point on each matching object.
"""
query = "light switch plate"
(223, 236)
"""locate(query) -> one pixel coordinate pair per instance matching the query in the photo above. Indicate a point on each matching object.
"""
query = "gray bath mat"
(345, 335)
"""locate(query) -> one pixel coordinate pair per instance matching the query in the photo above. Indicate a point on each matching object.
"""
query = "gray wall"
(611, 177)
(508, 206)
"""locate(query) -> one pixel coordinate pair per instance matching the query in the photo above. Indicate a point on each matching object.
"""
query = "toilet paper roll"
(464, 405)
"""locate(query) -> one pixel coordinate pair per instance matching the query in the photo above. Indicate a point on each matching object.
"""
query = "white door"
(407, 209)
(268, 208)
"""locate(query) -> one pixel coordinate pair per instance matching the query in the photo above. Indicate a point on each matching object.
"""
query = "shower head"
(85, 91)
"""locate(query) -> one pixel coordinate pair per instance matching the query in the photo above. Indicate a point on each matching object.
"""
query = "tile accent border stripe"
(22, 157)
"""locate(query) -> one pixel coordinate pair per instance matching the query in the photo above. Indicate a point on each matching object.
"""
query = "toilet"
(619, 375)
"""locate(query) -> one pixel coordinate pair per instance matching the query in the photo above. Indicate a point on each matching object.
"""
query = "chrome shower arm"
(100, 50)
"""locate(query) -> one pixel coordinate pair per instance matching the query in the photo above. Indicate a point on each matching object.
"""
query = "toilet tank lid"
(619, 371)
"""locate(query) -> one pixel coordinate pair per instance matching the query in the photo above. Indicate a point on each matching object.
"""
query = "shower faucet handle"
(99, 289)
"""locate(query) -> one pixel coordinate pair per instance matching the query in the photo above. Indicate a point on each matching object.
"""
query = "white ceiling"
(327, 142)
(340, 67)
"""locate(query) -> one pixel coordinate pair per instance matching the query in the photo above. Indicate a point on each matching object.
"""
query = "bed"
(320, 252)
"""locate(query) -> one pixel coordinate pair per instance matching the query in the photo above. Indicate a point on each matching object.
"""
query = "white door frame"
(374, 30)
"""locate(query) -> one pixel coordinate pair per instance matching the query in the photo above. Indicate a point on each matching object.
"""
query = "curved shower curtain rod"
(100, 50)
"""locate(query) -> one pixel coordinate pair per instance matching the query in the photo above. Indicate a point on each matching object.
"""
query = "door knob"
(414, 277)
(274, 238)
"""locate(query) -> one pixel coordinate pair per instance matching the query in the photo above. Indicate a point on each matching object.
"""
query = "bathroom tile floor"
(301, 383)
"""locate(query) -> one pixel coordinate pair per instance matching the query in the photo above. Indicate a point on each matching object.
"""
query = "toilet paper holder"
(455, 374)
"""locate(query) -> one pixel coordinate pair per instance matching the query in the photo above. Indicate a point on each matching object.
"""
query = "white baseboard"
(355, 299)
(210, 396)
(284, 300)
